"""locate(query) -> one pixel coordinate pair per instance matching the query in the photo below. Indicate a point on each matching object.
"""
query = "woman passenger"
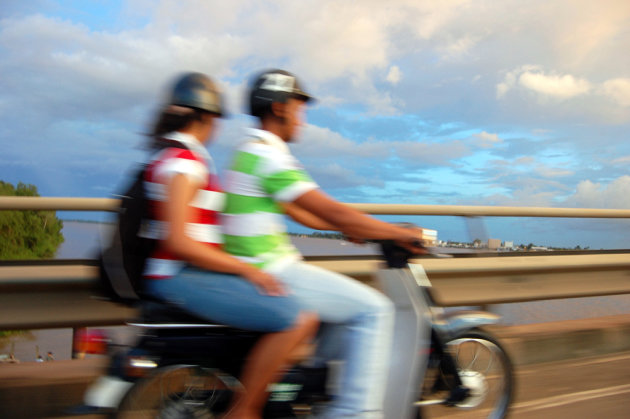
(189, 268)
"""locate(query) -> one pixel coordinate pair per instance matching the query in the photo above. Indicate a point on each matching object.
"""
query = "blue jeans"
(225, 299)
(363, 322)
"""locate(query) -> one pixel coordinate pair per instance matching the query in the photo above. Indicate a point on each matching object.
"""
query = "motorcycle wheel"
(178, 392)
(484, 367)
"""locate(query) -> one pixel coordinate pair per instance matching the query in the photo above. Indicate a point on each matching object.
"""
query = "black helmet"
(196, 90)
(274, 86)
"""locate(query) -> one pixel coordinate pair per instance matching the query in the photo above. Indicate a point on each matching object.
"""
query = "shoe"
(457, 395)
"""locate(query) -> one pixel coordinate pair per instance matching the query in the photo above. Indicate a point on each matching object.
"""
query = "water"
(82, 241)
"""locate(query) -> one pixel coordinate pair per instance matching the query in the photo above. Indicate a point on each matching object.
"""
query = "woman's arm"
(176, 212)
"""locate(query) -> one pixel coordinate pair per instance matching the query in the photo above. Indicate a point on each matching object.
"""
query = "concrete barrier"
(45, 389)
(554, 341)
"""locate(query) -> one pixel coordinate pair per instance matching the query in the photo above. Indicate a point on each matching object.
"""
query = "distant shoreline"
(86, 221)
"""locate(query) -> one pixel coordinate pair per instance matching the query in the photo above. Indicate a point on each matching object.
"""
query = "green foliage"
(320, 235)
(9, 336)
(9, 333)
(28, 234)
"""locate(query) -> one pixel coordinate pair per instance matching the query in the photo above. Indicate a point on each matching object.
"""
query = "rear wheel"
(178, 392)
(484, 368)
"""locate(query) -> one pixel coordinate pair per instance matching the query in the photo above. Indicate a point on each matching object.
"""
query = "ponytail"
(173, 118)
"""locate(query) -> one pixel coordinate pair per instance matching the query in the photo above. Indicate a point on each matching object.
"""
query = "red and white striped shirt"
(194, 162)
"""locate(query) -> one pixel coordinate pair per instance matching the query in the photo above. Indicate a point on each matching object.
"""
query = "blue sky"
(463, 102)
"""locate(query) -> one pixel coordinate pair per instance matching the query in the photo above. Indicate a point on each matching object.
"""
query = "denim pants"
(225, 299)
(365, 318)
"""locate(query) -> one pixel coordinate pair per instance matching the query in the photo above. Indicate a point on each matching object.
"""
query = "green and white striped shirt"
(263, 174)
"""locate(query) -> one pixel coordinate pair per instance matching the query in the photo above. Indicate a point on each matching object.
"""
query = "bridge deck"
(36, 390)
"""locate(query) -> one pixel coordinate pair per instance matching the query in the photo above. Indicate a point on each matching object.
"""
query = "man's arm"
(352, 222)
(307, 218)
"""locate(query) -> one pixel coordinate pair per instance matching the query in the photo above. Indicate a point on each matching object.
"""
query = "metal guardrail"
(110, 204)
(48, 294)
(58, 204)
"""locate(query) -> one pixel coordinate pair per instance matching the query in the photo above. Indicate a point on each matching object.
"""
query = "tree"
(28, 234)
(8, 337)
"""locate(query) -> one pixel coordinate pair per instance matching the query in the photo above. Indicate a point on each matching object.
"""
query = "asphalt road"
(585, 388)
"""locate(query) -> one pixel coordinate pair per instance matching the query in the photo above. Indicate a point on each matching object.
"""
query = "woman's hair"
(173, 118)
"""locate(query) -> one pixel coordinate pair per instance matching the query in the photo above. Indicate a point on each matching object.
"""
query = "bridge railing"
(62, 293)
(110, 204)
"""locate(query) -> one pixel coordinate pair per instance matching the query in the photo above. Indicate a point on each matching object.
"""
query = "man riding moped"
(264, 183)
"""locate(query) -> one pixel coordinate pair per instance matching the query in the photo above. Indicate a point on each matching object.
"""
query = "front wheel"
(178, 392)
(484, 369)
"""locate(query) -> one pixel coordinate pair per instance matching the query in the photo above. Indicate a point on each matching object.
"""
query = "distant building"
(494, 244)
(430, 237)
(508, 245)
(538, 249)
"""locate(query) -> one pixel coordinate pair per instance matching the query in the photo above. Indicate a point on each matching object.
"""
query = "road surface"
(585, 388)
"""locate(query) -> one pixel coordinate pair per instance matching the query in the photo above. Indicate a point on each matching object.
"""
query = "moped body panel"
(411, 339)
(451, 324)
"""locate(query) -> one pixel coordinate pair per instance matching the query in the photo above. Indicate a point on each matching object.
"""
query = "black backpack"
(121, 264)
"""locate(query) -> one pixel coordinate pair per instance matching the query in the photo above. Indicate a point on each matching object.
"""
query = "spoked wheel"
(178, 392)
(484, 369)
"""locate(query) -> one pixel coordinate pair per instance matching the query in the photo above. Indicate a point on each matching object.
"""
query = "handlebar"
(396, 256)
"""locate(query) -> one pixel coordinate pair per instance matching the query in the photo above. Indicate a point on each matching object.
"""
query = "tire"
(178, 392)
(484, 367)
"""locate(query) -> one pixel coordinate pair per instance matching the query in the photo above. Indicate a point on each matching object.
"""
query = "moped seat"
(157, 314)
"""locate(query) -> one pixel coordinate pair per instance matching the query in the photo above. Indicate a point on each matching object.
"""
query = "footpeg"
(457, 395)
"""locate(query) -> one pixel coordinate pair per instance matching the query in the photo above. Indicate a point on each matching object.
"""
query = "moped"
(185, 367)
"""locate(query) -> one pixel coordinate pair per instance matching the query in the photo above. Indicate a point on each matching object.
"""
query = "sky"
(456, 102)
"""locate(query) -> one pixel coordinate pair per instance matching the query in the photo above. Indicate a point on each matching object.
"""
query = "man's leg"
(366, 317)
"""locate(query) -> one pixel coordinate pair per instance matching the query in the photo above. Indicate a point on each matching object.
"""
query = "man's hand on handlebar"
(412, 240)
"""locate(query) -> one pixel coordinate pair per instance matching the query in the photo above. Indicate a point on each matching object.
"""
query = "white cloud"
(433, 154)
(487, 140)
(335, 176)
(623, 161)
(553, 172)
(323, 142)
(614, 195)
(533, 78)
(618, 90)
(459, 48)
(561, 87)
(394, 75)
(511, 78)
(427, 18)
(565, 87)
(525, 161)
(583, 30)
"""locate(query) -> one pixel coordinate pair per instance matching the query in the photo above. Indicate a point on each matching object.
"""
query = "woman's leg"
(265, 361)
(233, 301)
(226, 299)
(366, 319)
